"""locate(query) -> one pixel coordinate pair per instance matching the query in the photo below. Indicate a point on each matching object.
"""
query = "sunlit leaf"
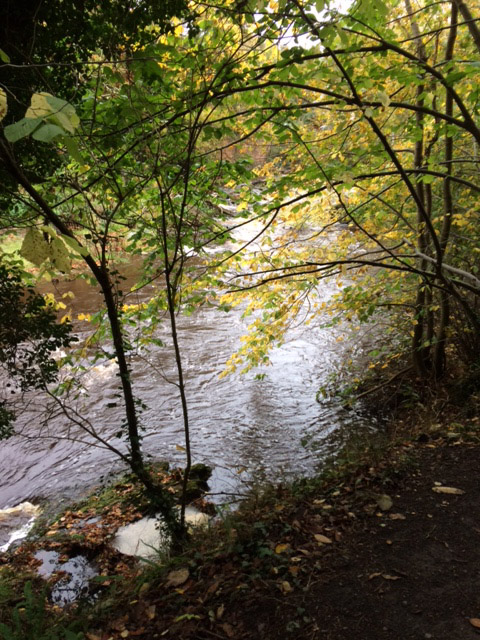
(59, 255)
(35, 248)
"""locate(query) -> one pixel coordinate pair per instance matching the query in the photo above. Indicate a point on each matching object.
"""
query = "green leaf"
(59, 256)
(454, 76)
(21, 129)
(35, 248)
(428, 179)
(73, 149)
(383, 98)
(73, 244)
(47, 133)
(4, 57)
(63, 113)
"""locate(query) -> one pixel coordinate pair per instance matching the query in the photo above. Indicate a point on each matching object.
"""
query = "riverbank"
(384, 545)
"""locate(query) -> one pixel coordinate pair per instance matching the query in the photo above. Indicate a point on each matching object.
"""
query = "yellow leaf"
(151, 612)
(281, 548)
(39, 107)
(286, 587)
(34, 247)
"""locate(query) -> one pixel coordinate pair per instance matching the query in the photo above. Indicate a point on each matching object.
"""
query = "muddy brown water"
(246, 428)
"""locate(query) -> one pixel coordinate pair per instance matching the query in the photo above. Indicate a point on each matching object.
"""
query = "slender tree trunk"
(171, 289)
(160, 498)
(439, 357)
(419, 353)
(461, 5)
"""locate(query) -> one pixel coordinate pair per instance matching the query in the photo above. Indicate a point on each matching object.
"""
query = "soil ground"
(380, 550)
(337, 567)
(395, 578)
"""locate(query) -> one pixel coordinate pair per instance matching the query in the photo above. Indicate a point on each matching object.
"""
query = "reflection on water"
(237, 423)
(75, 581)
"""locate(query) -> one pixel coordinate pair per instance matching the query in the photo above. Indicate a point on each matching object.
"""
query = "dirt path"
(414, 573)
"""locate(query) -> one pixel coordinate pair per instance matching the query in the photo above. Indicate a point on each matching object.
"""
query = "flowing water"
(244, 427)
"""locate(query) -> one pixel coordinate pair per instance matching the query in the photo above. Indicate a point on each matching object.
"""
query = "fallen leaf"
(397, 516)
(178, 577)
(451, 490)
(151, 612)
(281, 548)
(387, 576)
(321, 539)
(475, 622)
(286, 587)
(213, 588)
(228, 629)
(377, 574)
(125, 634)
(384, 502)
(220, 611)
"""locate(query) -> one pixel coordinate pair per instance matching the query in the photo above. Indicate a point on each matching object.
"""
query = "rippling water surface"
(246, 428)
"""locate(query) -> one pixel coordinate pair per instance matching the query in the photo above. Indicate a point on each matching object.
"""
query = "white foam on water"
(23, 514)
(145, 537)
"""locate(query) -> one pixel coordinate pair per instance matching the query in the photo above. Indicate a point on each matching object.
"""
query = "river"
(247, 429)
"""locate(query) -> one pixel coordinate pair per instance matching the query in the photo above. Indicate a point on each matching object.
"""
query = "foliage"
(376, 186)
(32, 620)
(48, 47)
(29, 337)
